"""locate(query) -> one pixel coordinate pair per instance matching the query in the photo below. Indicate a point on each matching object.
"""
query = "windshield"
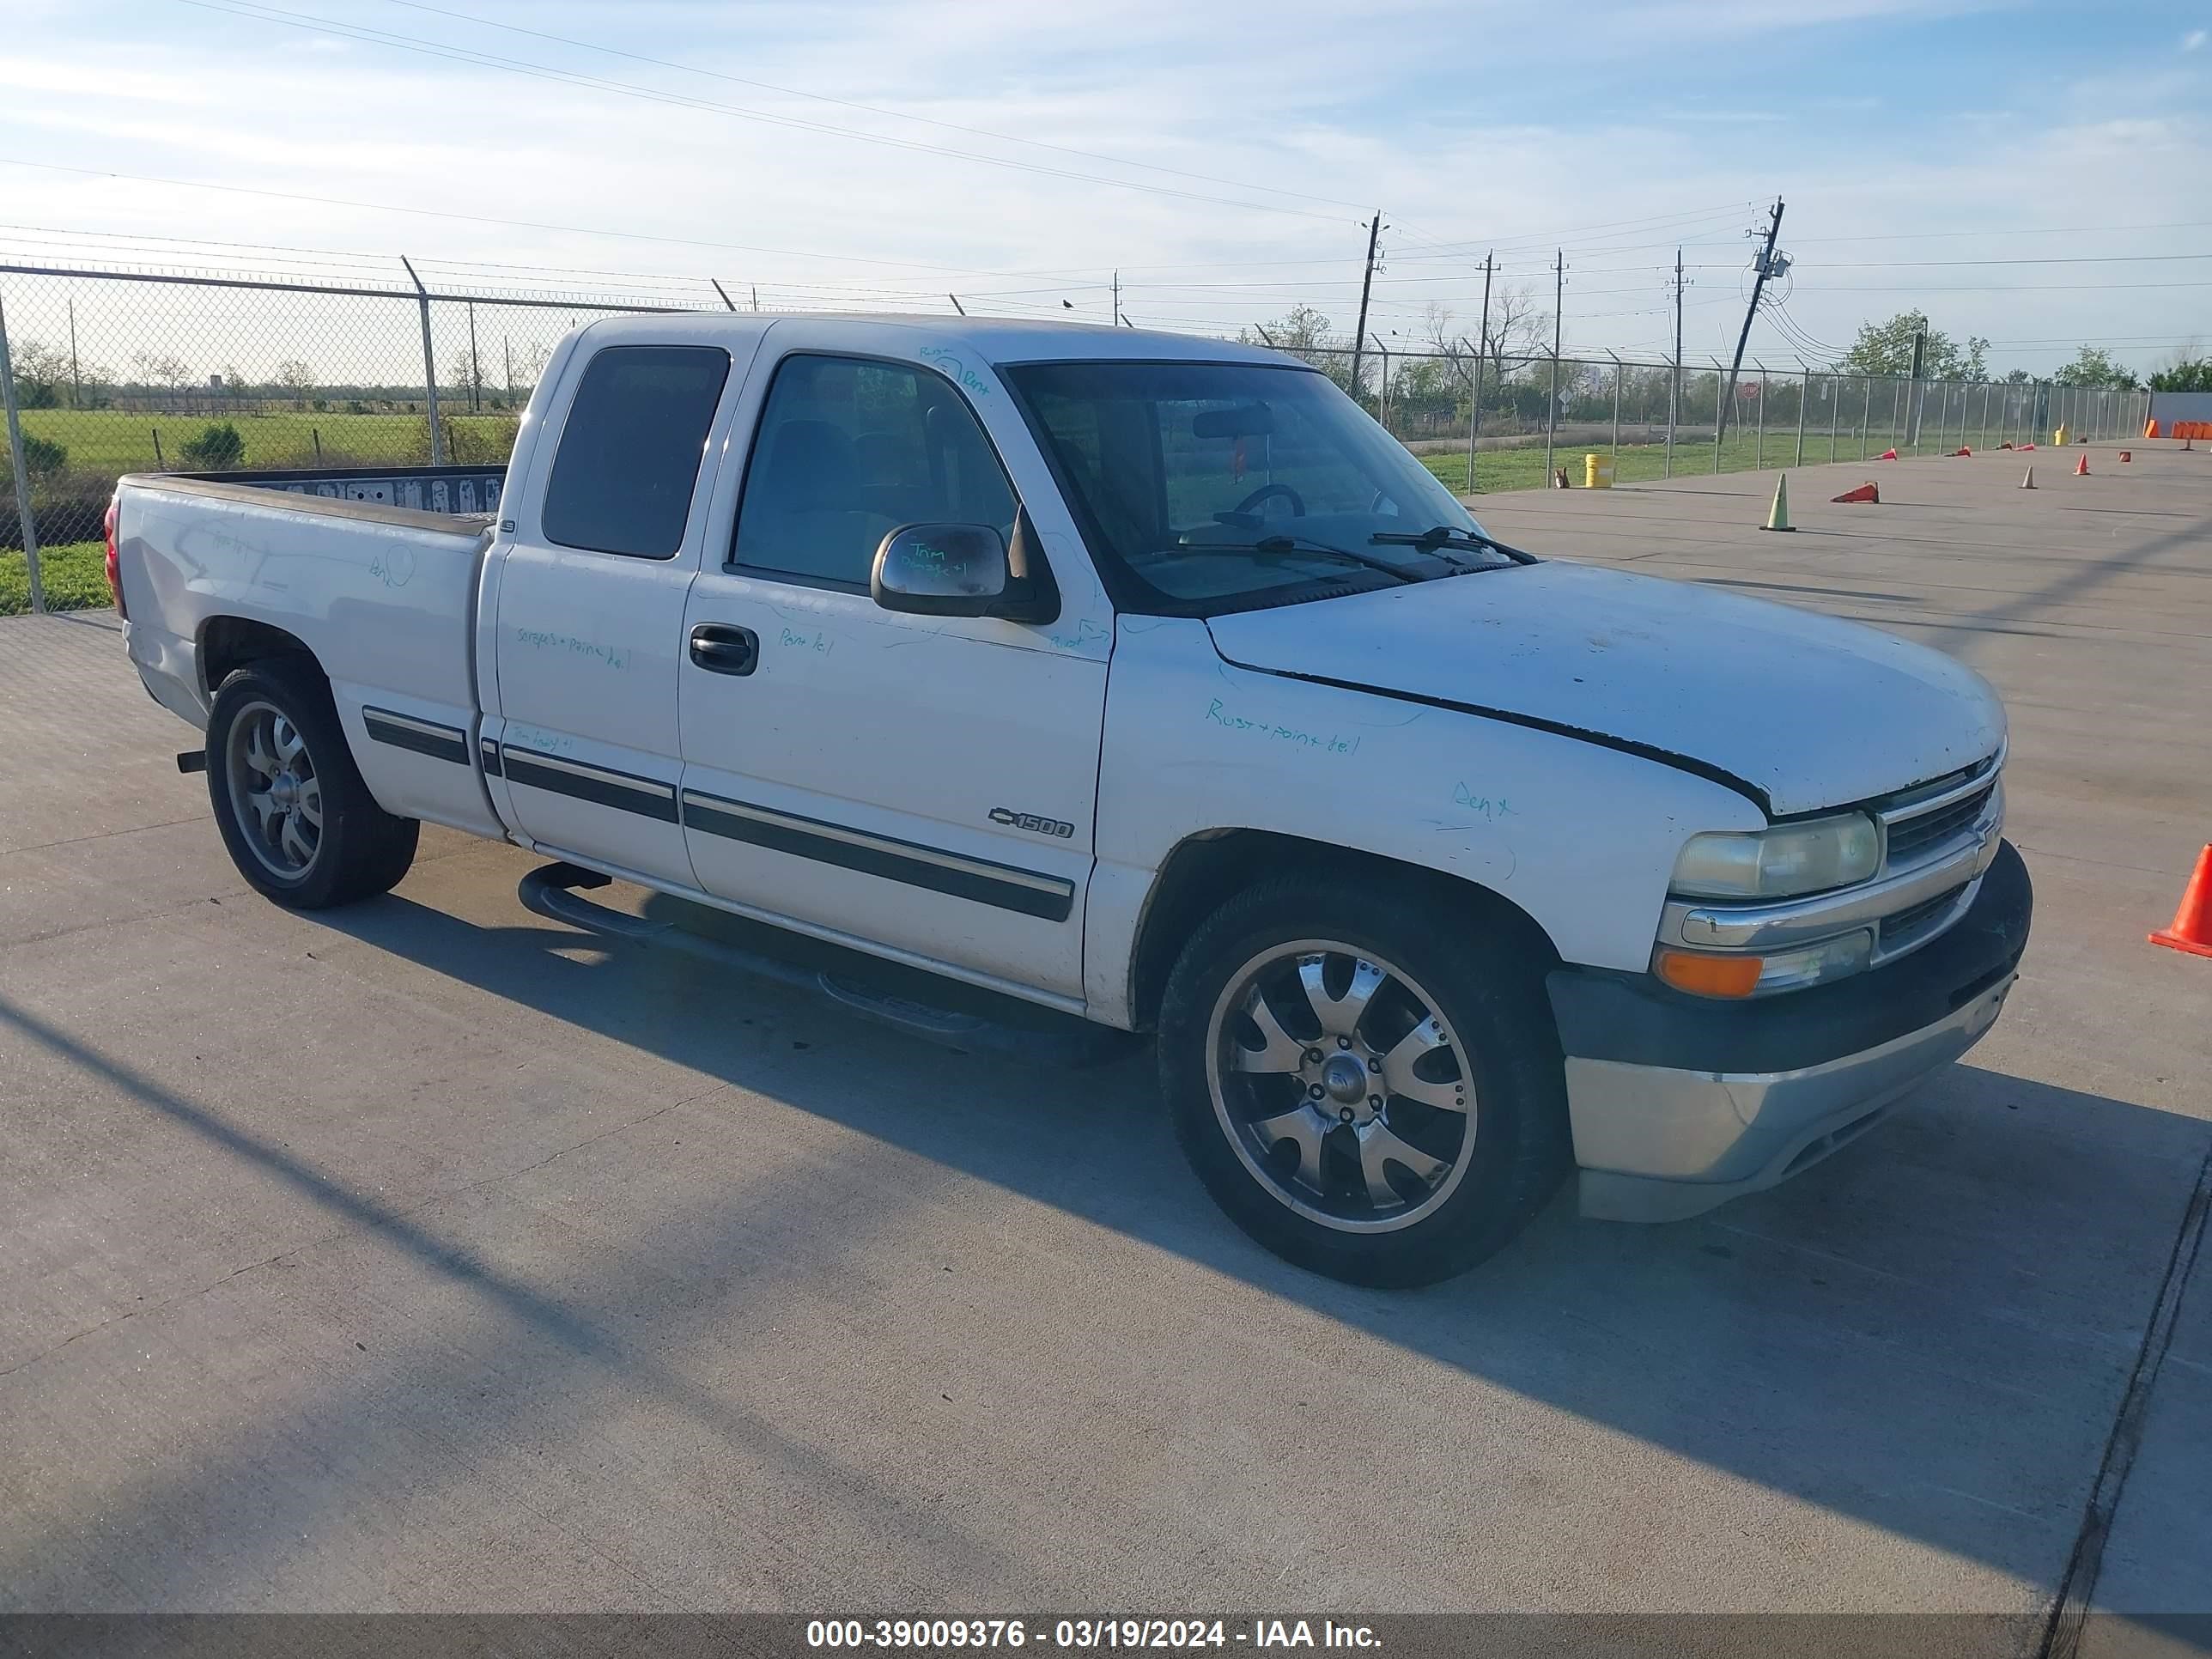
(1211, 483)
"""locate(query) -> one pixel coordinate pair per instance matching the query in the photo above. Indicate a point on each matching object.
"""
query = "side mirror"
(964, 570)
(940, 570)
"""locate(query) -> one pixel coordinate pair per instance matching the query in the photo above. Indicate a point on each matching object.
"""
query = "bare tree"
(1517, 325)
(1440, 330)
(42, 373)
(296, 378)
(162, 369)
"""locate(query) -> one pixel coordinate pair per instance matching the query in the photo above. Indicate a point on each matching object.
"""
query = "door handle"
(721, 648)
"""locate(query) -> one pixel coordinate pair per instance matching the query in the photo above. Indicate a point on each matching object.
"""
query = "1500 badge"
(1032, 823)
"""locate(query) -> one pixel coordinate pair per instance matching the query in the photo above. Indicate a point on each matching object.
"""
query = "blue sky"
(1901, 135)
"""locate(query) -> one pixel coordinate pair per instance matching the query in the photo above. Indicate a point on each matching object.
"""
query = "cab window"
(848, 450)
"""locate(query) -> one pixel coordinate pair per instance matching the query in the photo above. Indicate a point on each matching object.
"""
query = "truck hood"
(1798, 711)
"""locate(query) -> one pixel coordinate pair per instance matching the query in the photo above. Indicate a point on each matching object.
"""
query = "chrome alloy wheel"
(274, 792)
(1341, 1086)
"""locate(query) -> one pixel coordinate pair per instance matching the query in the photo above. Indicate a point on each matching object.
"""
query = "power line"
(2025, 230)
(1996, 288)
(482, 219)
(869, 109)
(252, 11)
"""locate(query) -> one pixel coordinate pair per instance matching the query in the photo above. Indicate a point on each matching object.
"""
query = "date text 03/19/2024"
(1083, 1635)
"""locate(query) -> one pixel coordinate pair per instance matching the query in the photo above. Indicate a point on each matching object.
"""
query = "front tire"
(296, 818)
(1371, 1088)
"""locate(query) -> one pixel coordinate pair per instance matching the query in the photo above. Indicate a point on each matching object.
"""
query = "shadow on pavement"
(1927, 1332)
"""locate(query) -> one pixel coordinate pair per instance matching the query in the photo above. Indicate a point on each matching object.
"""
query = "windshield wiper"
(1446, 535)
(1282, 544)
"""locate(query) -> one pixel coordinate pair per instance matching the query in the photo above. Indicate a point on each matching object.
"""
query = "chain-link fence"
(113, 372)
(1509, 421)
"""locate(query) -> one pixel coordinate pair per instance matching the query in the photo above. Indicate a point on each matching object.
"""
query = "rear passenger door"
(925, 784)
(590, 607)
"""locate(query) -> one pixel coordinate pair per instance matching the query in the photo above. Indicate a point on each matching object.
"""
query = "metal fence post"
(1617, 371)
(1804, 397)
(1721, 390)
(1552, 415)
(1866, 410)
(1473, 416)
(1759, 433)
(429, 368)
(21, 472)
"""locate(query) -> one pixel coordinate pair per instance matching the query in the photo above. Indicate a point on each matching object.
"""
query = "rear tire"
(1403, 1113)
(296, 818)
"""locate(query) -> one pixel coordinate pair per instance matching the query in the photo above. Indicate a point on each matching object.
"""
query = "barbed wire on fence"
(112, 370)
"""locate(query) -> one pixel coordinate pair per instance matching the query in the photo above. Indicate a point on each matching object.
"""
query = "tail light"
(114, 570)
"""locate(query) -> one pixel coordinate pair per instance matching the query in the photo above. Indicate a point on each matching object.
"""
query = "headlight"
(1785, 861)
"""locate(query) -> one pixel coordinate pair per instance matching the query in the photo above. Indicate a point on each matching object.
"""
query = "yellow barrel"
(1597, 471)
(2061, 438)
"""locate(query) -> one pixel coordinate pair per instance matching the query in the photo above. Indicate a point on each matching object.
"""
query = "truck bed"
(385, 596)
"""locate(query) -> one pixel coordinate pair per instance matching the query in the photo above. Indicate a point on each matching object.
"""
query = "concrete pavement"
(429, 1255)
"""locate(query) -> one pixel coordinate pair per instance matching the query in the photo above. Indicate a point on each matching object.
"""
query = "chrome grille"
(1908, 837)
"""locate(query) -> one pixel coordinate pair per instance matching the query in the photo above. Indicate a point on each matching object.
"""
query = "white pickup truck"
(1145, 679)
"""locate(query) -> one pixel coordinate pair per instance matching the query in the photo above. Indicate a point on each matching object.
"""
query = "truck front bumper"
(1679, 1103)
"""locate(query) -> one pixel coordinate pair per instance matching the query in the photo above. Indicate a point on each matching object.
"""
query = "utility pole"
(1765, 268)
(728, 304)
(957, 306)
(1552, 415)
(1366, 286)
(1474, 407)
(1674, 379)
(1912, 389)
(1117, 317)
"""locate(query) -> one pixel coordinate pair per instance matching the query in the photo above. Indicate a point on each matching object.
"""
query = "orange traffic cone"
(2192, 921)
(2081, 467)
(1886, 455)
(1865, 492)
(1961, 450)
(2150, 429)
(2027, 479)
(2027, 446)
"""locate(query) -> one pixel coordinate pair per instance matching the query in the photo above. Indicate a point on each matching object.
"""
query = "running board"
(556, 891)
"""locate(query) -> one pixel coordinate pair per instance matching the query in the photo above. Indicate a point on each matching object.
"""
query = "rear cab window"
(631, 449)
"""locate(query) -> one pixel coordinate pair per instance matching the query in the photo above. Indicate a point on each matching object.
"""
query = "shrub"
(44, 457)
(215, 449)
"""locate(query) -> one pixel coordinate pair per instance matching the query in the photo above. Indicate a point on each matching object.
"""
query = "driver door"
(924, 785)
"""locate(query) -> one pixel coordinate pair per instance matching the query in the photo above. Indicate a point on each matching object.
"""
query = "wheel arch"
(226, 644)
(1204, 871)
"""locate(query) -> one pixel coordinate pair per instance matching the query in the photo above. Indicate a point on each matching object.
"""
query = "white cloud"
(2192, 40)
(1314, 105)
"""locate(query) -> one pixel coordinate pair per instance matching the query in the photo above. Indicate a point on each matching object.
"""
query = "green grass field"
(75, 576)
(1498, 469)
(117, 440)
